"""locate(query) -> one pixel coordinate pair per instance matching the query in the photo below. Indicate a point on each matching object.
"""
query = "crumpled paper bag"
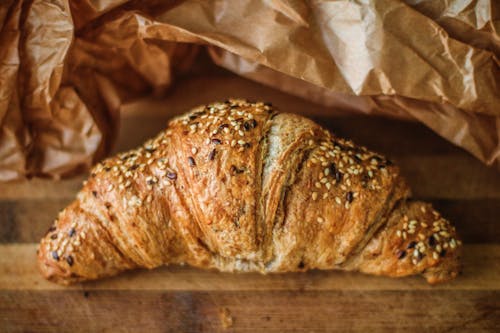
(66, 67)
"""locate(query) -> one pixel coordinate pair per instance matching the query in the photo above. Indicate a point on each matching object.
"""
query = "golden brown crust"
(237, 186)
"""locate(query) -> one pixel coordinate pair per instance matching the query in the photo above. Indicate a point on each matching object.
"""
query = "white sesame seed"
(453, 243)
(317, 184)
(338, 201)
(435, 255)
(314, 196)
(320, 220)
(328, 185)
(325, 195)
(327, 171)
(194, 150)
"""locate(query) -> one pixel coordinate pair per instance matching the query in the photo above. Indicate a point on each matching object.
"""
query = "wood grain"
(251, 311)
(481, 270)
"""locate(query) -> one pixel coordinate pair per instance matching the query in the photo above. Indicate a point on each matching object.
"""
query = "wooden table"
(182, 299)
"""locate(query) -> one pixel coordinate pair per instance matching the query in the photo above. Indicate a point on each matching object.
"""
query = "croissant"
(239, 187)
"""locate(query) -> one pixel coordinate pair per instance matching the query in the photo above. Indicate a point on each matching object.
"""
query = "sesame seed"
(241, 142)
(398, 233)
(411, 245)
(435, 255)
(349, 197)
(194, 150)
(317, 184)
(71, 232)
(191, 161)
(327, 171)
(338, 201)
(55, 255)
(233, 143)
(216, 141)
(315, 196)
(171, 175)
(325, 195)
(320, 220)
(400, 254)
(338, 176)
(211, 156)
(453, 243)
(69, 260)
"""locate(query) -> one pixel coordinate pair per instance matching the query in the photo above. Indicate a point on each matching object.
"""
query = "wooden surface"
(182, 299)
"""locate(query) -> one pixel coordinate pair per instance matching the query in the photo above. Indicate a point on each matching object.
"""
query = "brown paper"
(66, 67)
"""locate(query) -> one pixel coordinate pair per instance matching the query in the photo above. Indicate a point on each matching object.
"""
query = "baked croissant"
(239, 187)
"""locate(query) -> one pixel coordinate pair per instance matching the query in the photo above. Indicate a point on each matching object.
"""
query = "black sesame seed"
(221, 127)
(411, 245)
(94, 193)
(301, 265)
(401, 254)
(349, 197)
(133, 167)
(359, 160)
(52, 228)
(432, 240)
(55, 255)
(191, 161)
(171, 175)
(333, 169)
(216, 141)
(419, 255)
(53, 236)
(246, 126)
(107, 169)
(211, 156)
(71, 232)
(338, 176)
(442, 253)
(247, 145)
(69, 260)
(193, 117)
